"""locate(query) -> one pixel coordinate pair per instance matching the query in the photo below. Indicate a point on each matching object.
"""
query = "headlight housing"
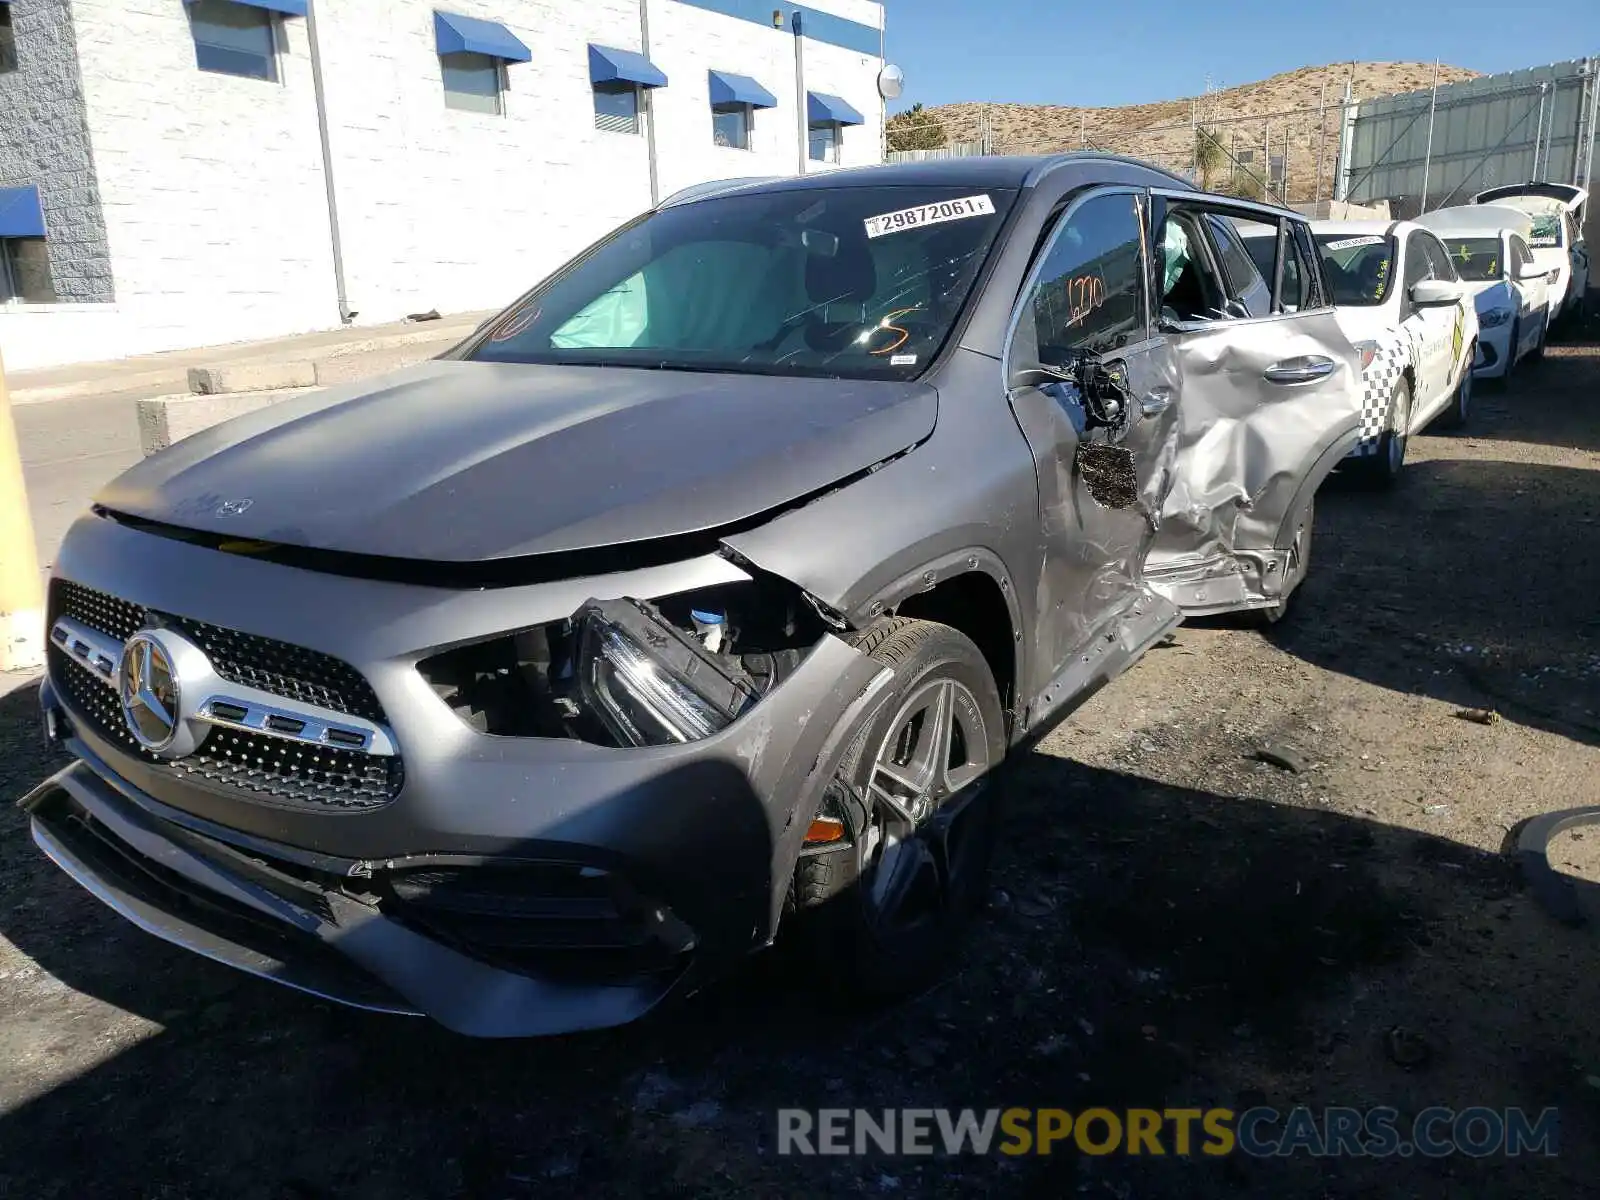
(1368, 351)
(1489, 318)
(648, 682)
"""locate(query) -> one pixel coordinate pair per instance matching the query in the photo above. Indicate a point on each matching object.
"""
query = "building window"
(234, 39)
(472, 83)
(730, 125)
(25, 271)
(8, 40)
(825, 136)
(616, 107)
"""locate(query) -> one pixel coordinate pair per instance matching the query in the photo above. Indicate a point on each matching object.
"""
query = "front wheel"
(882, 914)
(1383, 469)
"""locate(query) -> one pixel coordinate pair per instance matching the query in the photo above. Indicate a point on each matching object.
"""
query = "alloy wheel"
(922, 785)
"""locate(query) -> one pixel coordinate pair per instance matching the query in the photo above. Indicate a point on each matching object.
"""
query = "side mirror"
(1430, 293)
(1530, 271)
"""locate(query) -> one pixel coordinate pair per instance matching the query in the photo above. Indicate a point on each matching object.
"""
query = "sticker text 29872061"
(929, 214)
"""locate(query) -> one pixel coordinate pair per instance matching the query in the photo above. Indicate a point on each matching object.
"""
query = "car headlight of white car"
(1489, 318)
(1368, 351)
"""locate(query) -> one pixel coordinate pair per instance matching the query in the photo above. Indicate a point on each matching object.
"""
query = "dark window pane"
(852, 283)
(1359, 266)
(616, 107)
(8, 41)
(25, 271)
(1438, 260)
(233, 39)
(730, 126)
(825, 142)
(1476, 259)
(471, 82)
(1090, 293)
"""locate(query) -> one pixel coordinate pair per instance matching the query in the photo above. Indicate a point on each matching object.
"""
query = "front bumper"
(1494, 352)
(691, 846)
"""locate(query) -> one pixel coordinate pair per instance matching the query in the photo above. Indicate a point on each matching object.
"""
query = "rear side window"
(1245, 283)
(1418, 267)
(1438, 260)
(1089, 295)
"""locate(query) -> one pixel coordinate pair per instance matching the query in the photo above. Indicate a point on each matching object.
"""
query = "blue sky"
(1102, 53)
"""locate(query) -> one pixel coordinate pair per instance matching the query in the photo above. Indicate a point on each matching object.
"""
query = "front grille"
(260, 766)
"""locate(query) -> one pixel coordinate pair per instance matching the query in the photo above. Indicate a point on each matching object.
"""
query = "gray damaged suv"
(692, 596)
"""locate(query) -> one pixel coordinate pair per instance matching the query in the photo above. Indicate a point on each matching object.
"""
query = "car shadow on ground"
(1146, 945)
(1511, 625)
(1549, 402)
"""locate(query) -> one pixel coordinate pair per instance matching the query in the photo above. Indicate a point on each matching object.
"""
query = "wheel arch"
(971, 591)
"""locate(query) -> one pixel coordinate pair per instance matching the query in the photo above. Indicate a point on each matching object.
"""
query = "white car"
(1557, 237)
(1400, 301)
(1488, 246)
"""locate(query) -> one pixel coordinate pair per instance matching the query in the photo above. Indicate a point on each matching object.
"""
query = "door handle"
(1306, 369)
(1155, 402)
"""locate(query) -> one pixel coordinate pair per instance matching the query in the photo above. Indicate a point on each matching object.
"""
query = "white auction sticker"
(903, 360)
(929, 214)
(1352, 243)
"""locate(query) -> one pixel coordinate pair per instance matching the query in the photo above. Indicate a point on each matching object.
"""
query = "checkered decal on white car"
(1377, 391)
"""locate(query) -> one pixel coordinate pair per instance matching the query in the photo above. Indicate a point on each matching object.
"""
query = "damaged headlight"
(647, 681)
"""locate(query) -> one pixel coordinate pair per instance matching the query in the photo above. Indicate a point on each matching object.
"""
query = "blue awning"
(623, 66)
(727, 88)
(289, 8)
(20, 214)
(455, 34)
(822, 108)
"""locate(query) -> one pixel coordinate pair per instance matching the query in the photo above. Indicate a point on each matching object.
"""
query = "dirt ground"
(1172, 923)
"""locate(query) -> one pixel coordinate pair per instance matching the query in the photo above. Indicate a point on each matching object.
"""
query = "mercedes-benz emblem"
(233, 508)
(150, 693)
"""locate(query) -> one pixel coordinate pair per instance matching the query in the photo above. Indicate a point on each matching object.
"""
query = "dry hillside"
(1243, 118)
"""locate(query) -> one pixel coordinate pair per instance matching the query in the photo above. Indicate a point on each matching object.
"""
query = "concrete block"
(251, 377)
(168, 419)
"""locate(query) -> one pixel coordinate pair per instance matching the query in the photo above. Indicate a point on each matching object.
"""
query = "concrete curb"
(251, 377)
(164, 420)
(168, 374)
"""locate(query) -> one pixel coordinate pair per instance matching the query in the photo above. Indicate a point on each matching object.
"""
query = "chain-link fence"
(1287, 156)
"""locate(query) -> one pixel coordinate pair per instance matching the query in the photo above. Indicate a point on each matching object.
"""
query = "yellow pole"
(21, 598)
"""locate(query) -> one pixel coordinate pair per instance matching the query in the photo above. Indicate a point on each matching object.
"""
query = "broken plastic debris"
(1480, 716)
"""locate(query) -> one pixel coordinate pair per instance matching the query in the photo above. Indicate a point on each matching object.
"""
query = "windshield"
(1359, 266)
(846, 282)
(1475, 259)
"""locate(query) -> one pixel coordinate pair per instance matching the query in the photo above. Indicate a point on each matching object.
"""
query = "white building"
(178, 173)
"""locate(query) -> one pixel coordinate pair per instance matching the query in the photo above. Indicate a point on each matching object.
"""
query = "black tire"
(857, 952)
(1460, 410)
(1383, 470)
(1511, 353)
(1299, 568)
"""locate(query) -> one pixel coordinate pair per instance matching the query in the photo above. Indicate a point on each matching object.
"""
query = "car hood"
(457, 461)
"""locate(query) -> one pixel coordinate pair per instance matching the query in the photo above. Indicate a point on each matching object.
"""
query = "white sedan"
(1488, 245)
(1400, 301)
(1556, 238)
